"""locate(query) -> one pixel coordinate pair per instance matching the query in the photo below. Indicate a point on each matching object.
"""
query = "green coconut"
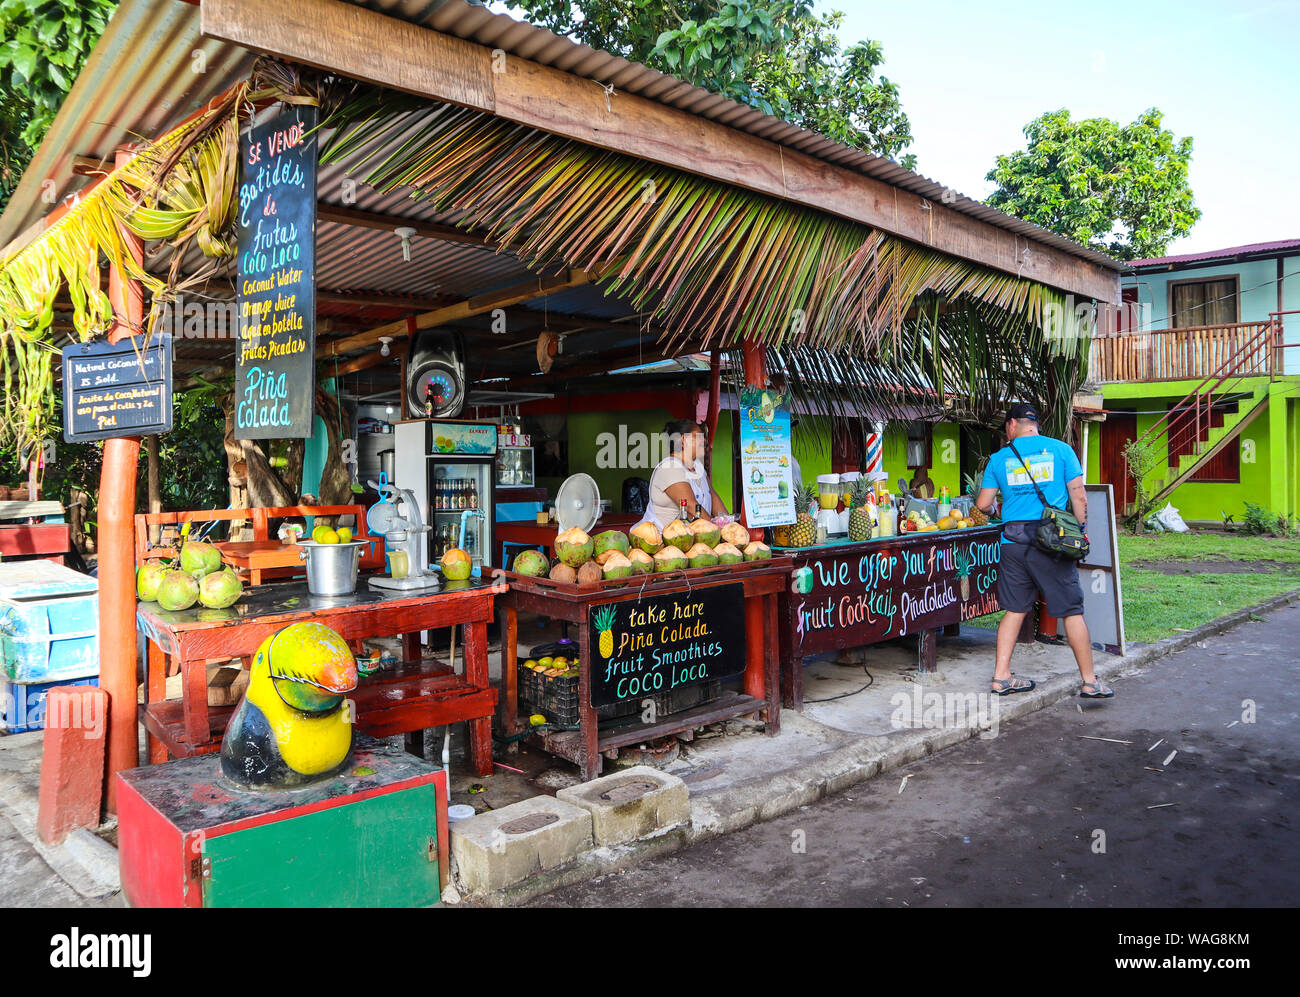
(532, 563)
(642, 563)
(199, 556)
(609, 540)
(706, 532)
(701, 556)
(617, 566)
(670, 559)
(646, 536)
(147, 579)
(679, 535)
(736, 535)
(728, 554)
(757, 551)
(177, 591)
(574, 547)
(220, 589)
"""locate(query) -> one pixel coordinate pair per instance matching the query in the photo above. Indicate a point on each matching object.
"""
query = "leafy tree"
(45, 43)
(1121, 189)
(776, 55)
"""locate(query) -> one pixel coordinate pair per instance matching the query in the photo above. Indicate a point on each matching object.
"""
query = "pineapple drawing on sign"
(604, 620)
(963, 561)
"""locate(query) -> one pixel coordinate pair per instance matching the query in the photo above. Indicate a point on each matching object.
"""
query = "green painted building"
(1203, 361)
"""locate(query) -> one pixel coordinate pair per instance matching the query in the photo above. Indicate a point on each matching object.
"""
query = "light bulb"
(388, 410)
(383, 345)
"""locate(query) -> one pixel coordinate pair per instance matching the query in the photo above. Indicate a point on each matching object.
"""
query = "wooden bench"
(245, 559)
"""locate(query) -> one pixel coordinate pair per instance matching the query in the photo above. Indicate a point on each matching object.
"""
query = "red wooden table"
(763, 582)
(414, 696)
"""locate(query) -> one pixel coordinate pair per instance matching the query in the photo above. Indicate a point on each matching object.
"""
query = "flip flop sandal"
(1058, 639)
(1100, 690)
(1005, 687)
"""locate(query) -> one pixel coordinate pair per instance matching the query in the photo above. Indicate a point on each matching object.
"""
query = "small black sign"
(646, 647)
(275, 362)
(120, 389)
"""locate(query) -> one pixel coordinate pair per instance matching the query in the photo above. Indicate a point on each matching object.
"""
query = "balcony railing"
(1183, 354)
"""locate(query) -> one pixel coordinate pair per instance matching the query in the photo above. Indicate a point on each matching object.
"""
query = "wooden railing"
(1182, 354)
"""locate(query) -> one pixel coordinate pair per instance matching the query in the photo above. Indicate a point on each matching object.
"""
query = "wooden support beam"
(363, 362)
(469, 307)
(375, 220)
(376, 48)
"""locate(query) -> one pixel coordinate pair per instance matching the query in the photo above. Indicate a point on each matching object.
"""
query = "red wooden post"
(116, 545)
(755, 363)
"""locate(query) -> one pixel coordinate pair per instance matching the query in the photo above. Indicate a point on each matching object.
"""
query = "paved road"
(1014, 820)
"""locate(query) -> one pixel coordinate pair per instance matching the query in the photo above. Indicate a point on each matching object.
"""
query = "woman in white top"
(680, 477)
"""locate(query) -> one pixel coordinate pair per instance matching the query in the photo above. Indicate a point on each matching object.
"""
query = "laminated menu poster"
(275, 363)
(644, 647)
(765, 458)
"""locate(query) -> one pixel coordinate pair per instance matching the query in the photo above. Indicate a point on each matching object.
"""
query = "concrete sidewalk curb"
(841, 768)
(83, 860)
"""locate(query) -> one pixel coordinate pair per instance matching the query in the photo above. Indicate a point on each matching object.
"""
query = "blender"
(828, 497)
(847, 481)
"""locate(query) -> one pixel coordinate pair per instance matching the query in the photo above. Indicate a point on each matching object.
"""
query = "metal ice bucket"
(331, 568)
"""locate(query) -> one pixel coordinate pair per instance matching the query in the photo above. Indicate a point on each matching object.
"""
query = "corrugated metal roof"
(151, 70)
(1254, 248)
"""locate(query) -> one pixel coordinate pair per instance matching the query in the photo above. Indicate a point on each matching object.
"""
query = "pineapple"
(978, 518)
(804, 531)
(604, 620)
(860, 518)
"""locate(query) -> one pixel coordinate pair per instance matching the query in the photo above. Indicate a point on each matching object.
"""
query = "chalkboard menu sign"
(846, 596)
(275, 366)
(121, 389)
(646, 647)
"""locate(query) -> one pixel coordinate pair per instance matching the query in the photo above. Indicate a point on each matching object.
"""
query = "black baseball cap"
(1021, 410)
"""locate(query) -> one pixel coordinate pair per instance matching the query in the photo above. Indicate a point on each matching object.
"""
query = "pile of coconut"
(581, 559)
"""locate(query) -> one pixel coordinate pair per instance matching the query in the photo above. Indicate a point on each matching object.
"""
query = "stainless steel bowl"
(331, 568)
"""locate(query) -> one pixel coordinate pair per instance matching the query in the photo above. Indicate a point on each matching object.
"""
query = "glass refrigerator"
(461, 458)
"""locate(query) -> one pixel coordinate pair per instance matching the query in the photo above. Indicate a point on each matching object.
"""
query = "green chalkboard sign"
(646, 647)
(275, 362)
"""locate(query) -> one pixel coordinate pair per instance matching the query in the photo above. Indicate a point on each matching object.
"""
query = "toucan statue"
(293, 726)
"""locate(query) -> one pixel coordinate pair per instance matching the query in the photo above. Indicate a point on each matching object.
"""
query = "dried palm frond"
(711, 262)
(179, 189)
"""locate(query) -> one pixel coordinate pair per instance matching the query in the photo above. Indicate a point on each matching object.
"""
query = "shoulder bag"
(1058, 533)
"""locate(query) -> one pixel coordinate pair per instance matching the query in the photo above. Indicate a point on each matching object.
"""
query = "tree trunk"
(154, 487)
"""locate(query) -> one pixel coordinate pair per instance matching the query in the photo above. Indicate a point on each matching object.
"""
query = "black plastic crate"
(554, 696)
(557, 698)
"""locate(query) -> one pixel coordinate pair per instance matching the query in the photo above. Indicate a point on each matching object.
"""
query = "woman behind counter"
(680, 477)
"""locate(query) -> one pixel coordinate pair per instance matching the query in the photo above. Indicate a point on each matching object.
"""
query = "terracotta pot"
(18, 494)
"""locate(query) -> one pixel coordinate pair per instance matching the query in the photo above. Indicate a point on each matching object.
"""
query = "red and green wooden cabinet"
(375, 836)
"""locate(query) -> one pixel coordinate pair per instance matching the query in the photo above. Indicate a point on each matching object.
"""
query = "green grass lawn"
(1157, 602)
(1189, 591)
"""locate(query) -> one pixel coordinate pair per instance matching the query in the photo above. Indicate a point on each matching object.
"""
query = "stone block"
(502, 847)
(631, 804)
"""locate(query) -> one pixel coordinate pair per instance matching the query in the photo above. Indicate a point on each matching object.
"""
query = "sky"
(972, 75)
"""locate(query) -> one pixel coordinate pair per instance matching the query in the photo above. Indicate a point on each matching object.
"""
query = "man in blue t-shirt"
(1025, 570)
